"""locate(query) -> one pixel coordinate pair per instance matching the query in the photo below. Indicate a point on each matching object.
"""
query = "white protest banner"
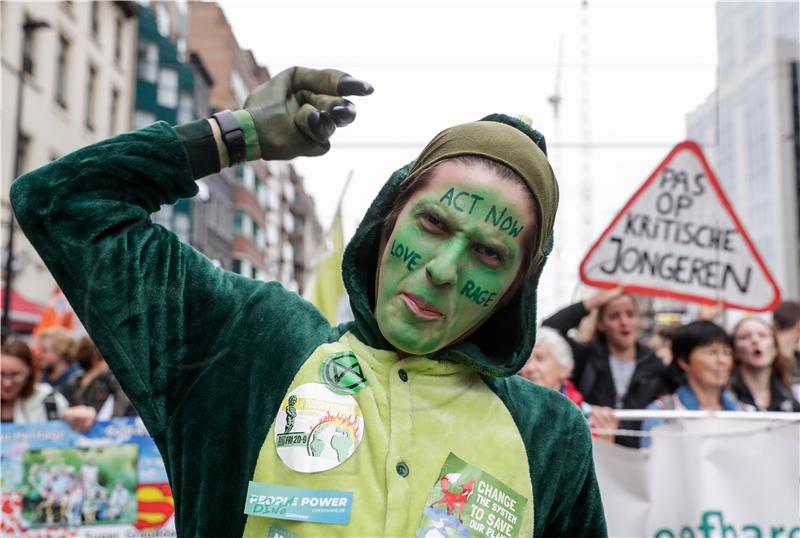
(679, 237)
(704, 478)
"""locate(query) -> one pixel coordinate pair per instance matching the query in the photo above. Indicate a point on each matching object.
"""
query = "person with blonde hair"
(762, 377)
(56, 346)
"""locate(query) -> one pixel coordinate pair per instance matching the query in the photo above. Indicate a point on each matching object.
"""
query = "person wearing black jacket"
(613, 369)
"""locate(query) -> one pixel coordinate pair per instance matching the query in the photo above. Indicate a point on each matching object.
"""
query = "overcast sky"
(439, 63)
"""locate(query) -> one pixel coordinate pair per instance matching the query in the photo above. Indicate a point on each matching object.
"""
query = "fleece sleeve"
(155, 307)
(558, 443)
(580, 512)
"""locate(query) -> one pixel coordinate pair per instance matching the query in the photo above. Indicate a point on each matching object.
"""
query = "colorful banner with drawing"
(704, 478)
(109, 481)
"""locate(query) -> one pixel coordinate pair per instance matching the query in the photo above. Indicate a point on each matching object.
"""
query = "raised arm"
(158, 310)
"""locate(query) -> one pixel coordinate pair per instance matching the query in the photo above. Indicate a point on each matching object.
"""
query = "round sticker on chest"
(317, 429)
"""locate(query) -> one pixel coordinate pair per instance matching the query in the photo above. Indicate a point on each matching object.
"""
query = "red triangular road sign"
(679, 237)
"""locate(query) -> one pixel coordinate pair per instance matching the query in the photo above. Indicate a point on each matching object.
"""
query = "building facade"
(164, 90)
(175, 86)
(78, 88)
(750, 129)
(264, 194)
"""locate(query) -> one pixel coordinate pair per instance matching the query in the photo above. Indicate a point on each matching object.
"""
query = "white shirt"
(621, 372)
(31, 410)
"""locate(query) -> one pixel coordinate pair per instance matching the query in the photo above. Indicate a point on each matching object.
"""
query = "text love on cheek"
(477, 294)
(409, 256)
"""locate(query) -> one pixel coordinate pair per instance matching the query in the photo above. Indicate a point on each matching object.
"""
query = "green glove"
(297, 111)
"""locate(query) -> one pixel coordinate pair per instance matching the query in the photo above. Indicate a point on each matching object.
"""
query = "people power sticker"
(317, 429)
(297, 504)
(342, 373)
(466, 501)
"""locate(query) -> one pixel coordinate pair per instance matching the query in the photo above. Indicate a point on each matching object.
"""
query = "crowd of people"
(57, 375)
(593, 353)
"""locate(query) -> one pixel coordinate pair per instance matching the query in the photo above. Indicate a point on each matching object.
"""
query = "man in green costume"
(441, 274)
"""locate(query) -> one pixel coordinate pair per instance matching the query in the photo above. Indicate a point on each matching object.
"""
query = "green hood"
(502, 345)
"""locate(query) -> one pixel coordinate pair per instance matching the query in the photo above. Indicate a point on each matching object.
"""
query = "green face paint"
(450, 257)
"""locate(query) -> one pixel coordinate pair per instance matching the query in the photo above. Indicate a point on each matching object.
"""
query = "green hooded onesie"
(248, 391)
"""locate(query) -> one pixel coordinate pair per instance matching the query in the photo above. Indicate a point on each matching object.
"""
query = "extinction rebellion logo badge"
(342, 373)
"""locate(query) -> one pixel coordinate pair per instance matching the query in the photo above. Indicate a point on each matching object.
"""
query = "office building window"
(288, 222)
(167, 88)
(754, 29)
(243, 224)
(112, 120)
(250, 178)
(239, 87)
(163, 20)
(288, 191)
(27, 53)
(143, 118)
(236, 266)
(726, 155)
(61, 71)
(147, 61)
(91, 84)
(262, 195)
(117, 39)
(727, 29)
(23, 145)
(185, 108)
(182, 225)
(95, 16)
(786, 16)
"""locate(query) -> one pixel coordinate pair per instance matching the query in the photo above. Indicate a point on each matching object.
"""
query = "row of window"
(168, 93)
(94, 23)
(268, 199)
(285, 272)
(61, 98)
(743, 28)
(262, 236)
(246, 226)
(64, 68)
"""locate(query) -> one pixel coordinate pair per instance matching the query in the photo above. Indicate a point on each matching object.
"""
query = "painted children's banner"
(109, 481)
(704, 478)
(679, 237)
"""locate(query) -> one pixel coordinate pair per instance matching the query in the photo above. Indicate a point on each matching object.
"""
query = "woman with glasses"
(24, 401)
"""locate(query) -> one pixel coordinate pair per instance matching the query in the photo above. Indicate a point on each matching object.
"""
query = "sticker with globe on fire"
(466, 502)
(317, 429)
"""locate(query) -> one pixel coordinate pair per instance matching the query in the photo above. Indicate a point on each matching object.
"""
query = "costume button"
(402, 469)
(403, 375)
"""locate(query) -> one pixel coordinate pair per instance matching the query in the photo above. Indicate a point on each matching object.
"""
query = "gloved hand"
(297, 111)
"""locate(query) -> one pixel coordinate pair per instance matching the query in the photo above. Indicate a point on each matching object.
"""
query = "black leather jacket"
(592, 372)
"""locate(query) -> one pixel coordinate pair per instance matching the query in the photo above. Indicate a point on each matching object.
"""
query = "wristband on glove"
(232, 136)
(250, 135)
